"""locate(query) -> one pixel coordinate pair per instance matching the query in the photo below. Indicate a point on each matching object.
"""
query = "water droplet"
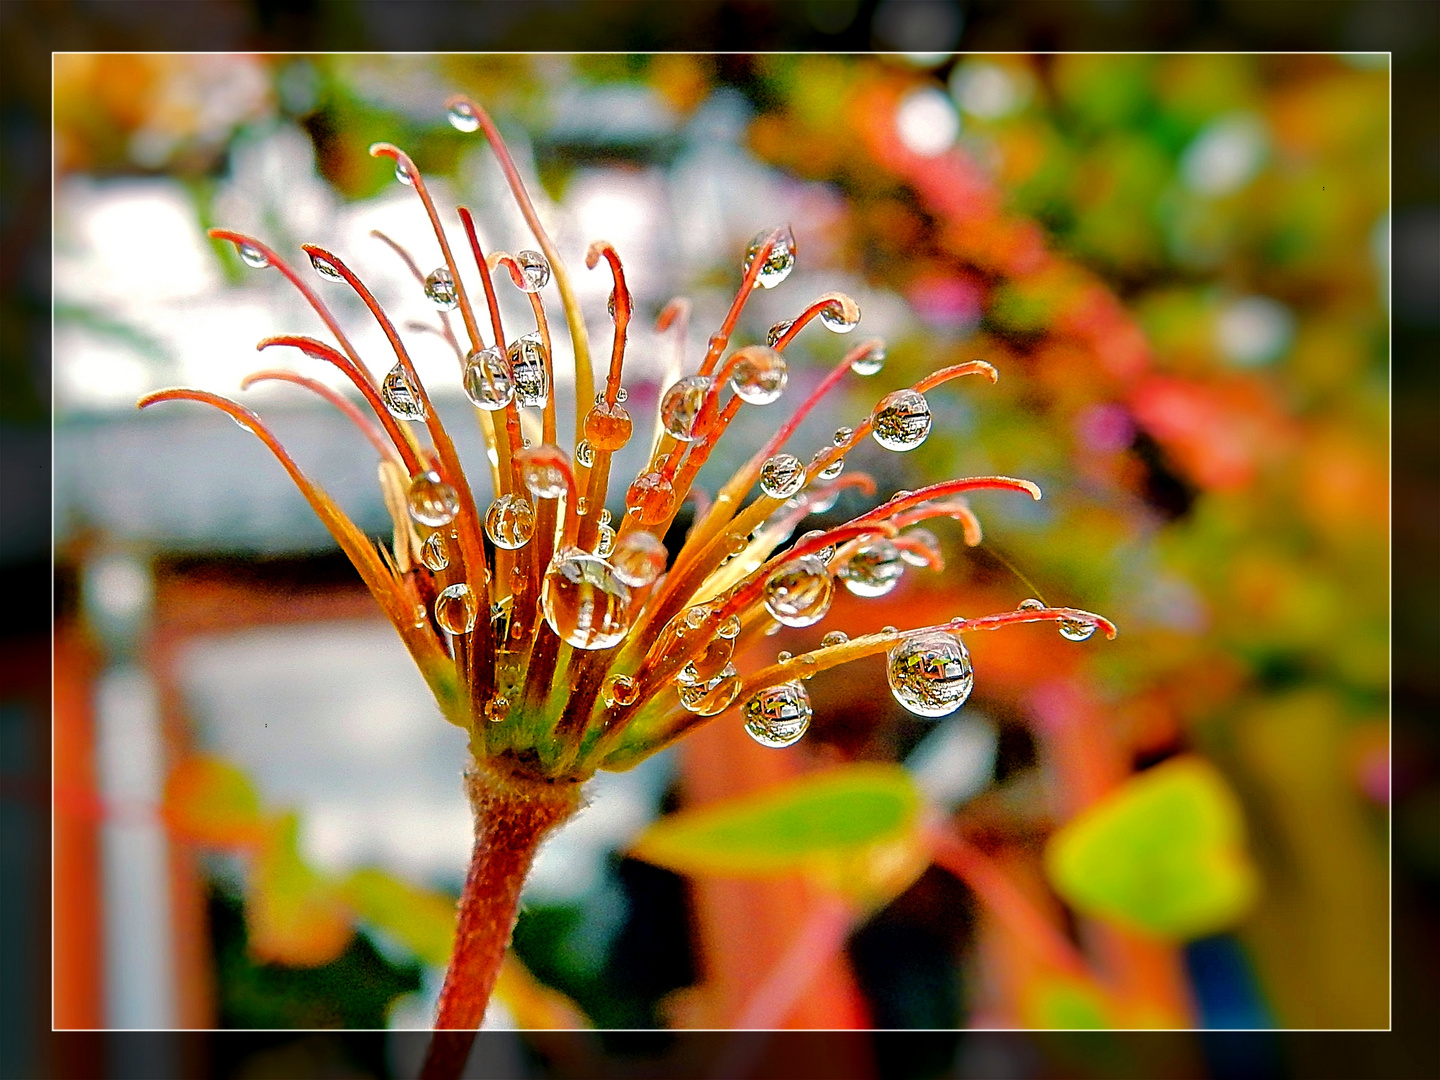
(1031, 605)
(620, 690)
(682, 405)
(779, 330)
(402, 173)
(420, 617)
(510, 522)
(784, 656)
(534, 268)
(799, 593)
(824, 554)
(527, 367)
(842, 436)
(710, 662)
(432, 501)
(608, 427)
(582, 506)
(695, 616)
(902, 420)
(252, 256)
(930, 674)
(870, 363)
(778, 715)
(610, 304)
(834, 637)
(543, 479)
(759, 375)
(325, 268)
(714, 697)
(584, 453)
(462, 117)
(440, 289)
(584, 600)
(782, 476)
(650, 498)
(496, 708)
(1076, 629)
(433, 553)
(604, 541)
(874, 569)
(926, 539)
(621, 394)
(605, 518)
(456, 609)
(639, 558)
(488, 380)
(887, 630)
(835, 320)
(780, 261)
(831, 471)
(729, 627)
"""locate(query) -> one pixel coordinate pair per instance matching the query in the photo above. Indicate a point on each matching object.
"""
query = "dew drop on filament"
(638, 558)
(253, 257)
(902, 420)
(620, 690)
(488, 380)
(713, 697)
(527, 367)
(463, 117)
(400, 397)
(1076, 629)
(682, 405)
(440, 289)
(799, 593)
(759, 375)
(402, 173)
(584, 601)
(431, 501)
(510, 522)
(870, 363)
(835, 319)
(534, 268)
(930, 674)
(782, 476)
(1031, 605)
(456, 609)
(834, 637)
(780, 262)
(874, 569)
(650, 498)
(325, 268)
(778, 715)
(433, 553)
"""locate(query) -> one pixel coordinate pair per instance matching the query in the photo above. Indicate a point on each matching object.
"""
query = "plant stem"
(512, 816)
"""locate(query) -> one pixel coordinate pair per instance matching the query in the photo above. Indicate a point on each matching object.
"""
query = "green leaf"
(421, 920)
(210, 801)
(293, 915)
(854, 827)
(1061, 1003)
(1163, 854)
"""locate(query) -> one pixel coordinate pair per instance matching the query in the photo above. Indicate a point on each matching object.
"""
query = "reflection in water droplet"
(782, 476)
(496, 708)
(778, 715)
(784, 656)
(582, 506)
(780, 261)
(604, 518)
(402, 173)
(543, 479)
(325, 268)
(1031, 605)
(252, 256)
(710, 662)
(604, 541)
(433, 553)
(584, 453)
(650, 498)
(930, 674)
(681, 407)
(510, 522)
(779, 330)
(799, 593)
(926, 539)
(1076, 629)
(870, 363)
(432, 501)
(527, 368)
(456, 609)
(400, 397)
(729, 627)
(607, 427)
(584, 601)
(834, 637)
(874, 569)
(824, 554)
(902, 420)
(462, 117)
(831, 471)
(759, 375)
(534, 268)
(714, 697)
(835, 320)
(639, 558)
(488, 381)
(620, 690)
(440, 289)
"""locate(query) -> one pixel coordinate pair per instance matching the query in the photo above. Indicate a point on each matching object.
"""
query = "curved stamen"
(542, 327)
(721, 337)
(958, 509)
(849, 310)
(598, 480)
(446, 332)
(330, 394)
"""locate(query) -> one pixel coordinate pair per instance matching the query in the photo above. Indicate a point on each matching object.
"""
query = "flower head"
(561, 638)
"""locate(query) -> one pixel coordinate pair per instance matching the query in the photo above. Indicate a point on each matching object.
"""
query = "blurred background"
(1180, 265)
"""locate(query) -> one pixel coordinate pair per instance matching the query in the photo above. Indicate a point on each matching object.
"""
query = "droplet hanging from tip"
(902, 420)
(837, 320)
(1076, 629)
(930, 674)
(252, 256)
(325, 268)
(463, 117)
(778, 715)
(870, 362)
(780, 261)
(431, 501)
(456, 609)
(534, 268)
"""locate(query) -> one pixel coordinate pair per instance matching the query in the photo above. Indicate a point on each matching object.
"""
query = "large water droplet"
(780, 261)
(440, 289)
(433, 553)
(682, 405)
(432, 501)
(835, 319)
(488, 381)
(325, 268)
(650, 498)
(584, 601)
(252, 256)
(779, 330)
(462, 117)
(778, 715)
(782, 476)
(799, 593)
(710, 663)
(456, 609)
(607, 427)
(527, 367)
(902, 420)
(400, 396)
(639, 558)
(1076, 629)
(759, 375)
(874, 569)
(930, 674)
(543, 479)
(870, 363)
(534, 268)
(510, 522)
(713, 697)
(620, 690)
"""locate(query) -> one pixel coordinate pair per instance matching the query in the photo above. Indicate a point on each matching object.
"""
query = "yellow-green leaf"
(1163, 854)
(293, 915)
(420, 919)
(210, 801)
(853, 827)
